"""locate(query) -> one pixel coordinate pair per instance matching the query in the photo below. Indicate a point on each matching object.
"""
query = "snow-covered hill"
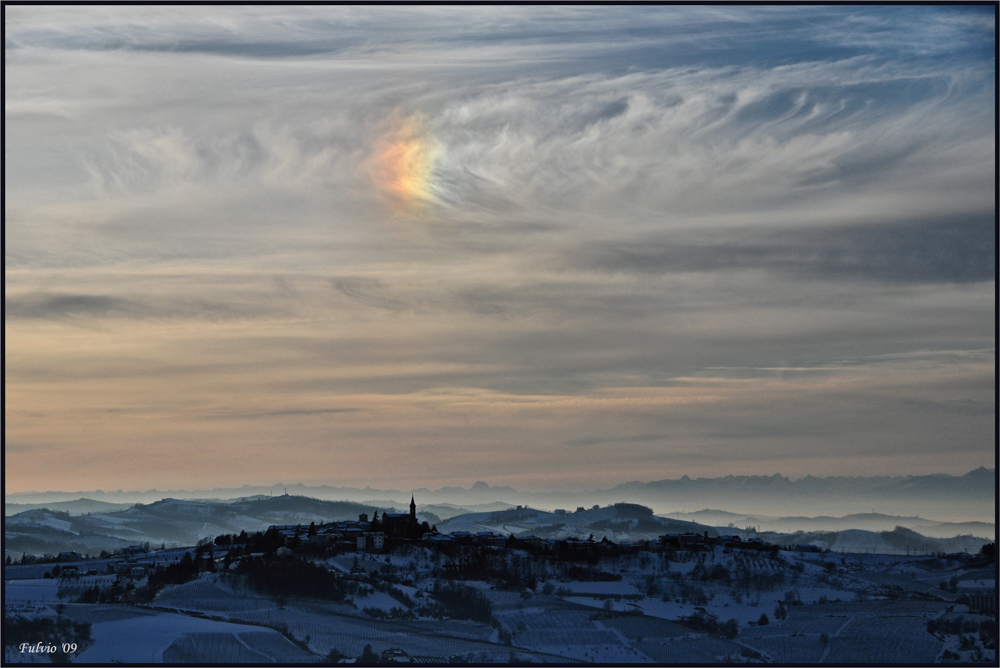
(171, 522)
(622, 522)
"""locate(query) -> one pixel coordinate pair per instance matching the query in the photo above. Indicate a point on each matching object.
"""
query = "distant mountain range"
(898, 541)
(969, 497)
(877, 522)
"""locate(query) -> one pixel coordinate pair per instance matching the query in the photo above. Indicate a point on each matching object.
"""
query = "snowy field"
(839, 609)
(108, 612)
(325, 626)
(704, 649)
(171, 638)
(853, 632)
(31, 591)
(209, 594)
(34, 571)
(977, 583)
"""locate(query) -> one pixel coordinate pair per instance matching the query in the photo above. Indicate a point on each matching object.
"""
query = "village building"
(400, 525)
(371, 540)
(356, 535)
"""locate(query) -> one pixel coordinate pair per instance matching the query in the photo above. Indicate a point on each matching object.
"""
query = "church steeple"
(413, 512)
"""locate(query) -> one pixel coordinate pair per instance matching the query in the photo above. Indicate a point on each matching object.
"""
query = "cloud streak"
(935, 251)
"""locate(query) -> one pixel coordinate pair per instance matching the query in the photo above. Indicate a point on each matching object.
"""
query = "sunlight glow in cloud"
(404, 164)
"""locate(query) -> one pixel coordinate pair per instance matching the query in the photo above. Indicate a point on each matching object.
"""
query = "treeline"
(292, 576)
(395, 614)
(498, 566)
(958, 626)
(633, 511)
(448, 600)
(246, 543)
(459, 602)
(282, 577)
(185, 570)
(588, 574)
(116, 592)
(507, 570)
(269, 541)
(710, 624)
(742, 580)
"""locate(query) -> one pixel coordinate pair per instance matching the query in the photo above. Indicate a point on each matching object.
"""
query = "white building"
(371, 540)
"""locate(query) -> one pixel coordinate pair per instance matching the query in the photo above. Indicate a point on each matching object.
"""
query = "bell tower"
(413, 512)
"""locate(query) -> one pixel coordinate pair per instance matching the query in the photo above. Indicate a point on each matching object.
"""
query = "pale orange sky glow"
(539, 247)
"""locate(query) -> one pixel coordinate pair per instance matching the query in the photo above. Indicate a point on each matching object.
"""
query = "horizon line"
(494, 486)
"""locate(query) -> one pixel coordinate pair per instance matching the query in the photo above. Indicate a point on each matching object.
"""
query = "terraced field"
(701, 649)
(859, 632)
(250, 647)
(100, 613)
(327, 630)
(208, 595)
(798, 625)
(565, 628)
(326, 625)
(883, 649)
(789, 649)
(147, 638)
(455, 628)
(635, 627)
(885, 640)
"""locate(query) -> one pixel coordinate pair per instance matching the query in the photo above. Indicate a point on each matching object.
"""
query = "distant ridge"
(75, 507)
(976, 479)
(175, 522)
(966, 497)
(866, 521)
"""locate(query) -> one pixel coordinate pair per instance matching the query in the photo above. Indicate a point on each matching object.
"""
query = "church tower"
(413, 513)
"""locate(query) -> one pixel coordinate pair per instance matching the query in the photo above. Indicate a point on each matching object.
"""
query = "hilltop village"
(382, 534)
(395, 530)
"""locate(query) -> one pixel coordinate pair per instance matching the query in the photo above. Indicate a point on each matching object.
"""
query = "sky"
(545, 247)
